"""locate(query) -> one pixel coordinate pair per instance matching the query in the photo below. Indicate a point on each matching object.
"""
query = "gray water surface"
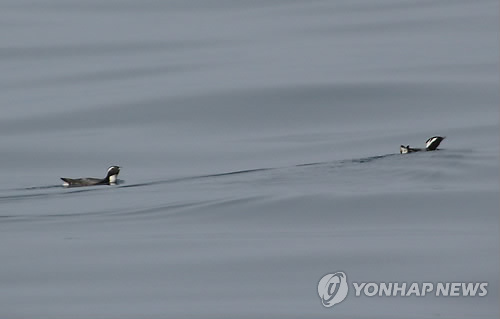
(259, 143)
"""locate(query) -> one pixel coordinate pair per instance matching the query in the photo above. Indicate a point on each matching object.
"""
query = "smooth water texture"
(259, 145)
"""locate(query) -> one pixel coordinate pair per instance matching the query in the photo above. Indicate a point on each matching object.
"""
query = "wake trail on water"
(49, 191)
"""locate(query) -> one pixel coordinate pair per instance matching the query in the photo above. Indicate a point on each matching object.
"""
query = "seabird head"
(404, 149)
(432, 143)
(112, 173)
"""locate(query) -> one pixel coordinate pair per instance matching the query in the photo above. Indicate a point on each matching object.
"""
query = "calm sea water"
(259, 143)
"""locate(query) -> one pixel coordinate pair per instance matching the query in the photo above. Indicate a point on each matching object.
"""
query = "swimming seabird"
(110, 179)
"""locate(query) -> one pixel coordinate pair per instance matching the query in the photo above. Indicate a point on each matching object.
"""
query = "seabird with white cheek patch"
(110, 179)
(430, 145)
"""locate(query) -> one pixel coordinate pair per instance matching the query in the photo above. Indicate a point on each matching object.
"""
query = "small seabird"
(430, 145)
(110, 179)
